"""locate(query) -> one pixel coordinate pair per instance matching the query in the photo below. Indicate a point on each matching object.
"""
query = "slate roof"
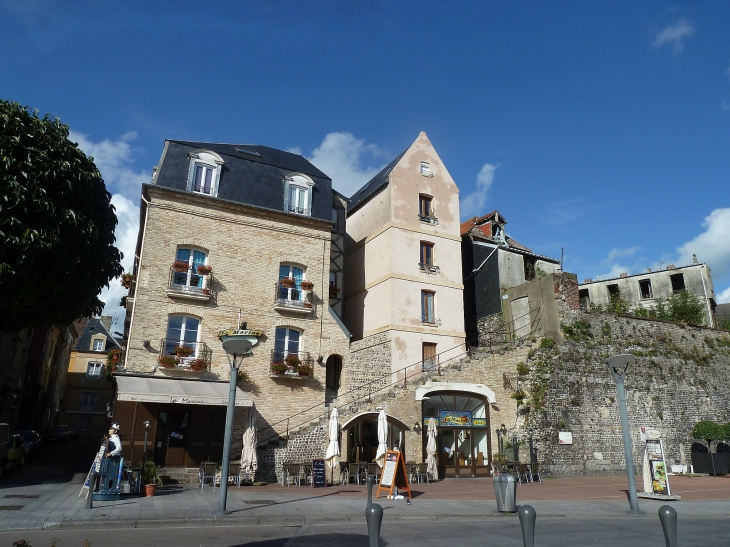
(374, 185)
(268, 156)
(475, 228)
(93, 327)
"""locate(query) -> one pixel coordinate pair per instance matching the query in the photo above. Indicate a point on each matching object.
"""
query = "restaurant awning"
(172, 391)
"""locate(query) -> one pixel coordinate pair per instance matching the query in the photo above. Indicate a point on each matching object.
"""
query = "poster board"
(657, 467)
(394, 474)
(319, 477)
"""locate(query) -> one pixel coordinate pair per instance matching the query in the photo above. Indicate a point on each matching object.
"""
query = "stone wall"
(370, 366)
(679, 377)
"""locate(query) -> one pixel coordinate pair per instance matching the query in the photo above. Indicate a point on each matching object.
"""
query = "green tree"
(56, 224)
(725, 323)
(684, 307)
(708, 431)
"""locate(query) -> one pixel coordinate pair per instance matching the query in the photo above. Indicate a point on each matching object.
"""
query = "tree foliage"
(56, 224)
(708, 431)
(681, 307)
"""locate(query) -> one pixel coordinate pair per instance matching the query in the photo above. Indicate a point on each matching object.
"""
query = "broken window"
(613, 290)
(585, 300)
(677, 282)
(645, 288)
(530, 267)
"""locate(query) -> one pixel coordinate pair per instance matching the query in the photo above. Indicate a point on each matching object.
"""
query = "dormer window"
(204, 173)
(298, 195)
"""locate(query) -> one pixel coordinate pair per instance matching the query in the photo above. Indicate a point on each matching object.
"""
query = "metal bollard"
(92, 484)
(668, 517)
(527, 522)
(374, 517)
(370, 481)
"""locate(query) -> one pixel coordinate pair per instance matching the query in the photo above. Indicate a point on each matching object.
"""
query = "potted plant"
(180, 265)
(288, 282)
(168, 361)
(183, 351)
(292, 361)
(126, 280)
(333, 291)
(151, 478)
(204, 269)
(279, 368)
(307, 304)
(206, 291)
(198, 365)
(305, 369)
(307, 285)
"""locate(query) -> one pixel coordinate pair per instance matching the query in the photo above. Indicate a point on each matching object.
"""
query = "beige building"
(403, 262)
(230, 235)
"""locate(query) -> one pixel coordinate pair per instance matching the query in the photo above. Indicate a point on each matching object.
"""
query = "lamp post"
(146, 431)
(618, 365)
(236, 349)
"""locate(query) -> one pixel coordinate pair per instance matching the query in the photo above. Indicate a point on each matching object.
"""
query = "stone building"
(492, 263)
(89, 392)
(230, 236)
(644, 289)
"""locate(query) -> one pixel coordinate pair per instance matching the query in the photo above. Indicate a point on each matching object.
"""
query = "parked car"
(33, 443)
(4, 444)
(16, 453)
(57, 433)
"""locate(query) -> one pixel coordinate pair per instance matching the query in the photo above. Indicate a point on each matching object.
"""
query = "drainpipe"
(707, 304)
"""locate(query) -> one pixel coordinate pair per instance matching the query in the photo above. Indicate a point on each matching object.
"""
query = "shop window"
(427, 307)
(677, 282)
(298, 195)
(287, 341)
(182, 331)
(93, 370)
(88, 401)
(362, 439)
(193, 258)
(645, 288)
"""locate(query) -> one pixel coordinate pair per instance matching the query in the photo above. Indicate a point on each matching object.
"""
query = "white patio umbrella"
(431, 450)
(382, 438)
(249, 458)
(333, 446)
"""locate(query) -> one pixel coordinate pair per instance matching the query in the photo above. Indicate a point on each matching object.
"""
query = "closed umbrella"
(333, 446)
(382, 438)
(249, 458)
(431, 450)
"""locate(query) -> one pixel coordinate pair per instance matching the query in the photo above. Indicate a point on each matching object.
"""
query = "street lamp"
(236, 349)
(146, 431)
(618, 365)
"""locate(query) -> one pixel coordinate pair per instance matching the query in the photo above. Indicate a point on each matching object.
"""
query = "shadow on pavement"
(317, 540)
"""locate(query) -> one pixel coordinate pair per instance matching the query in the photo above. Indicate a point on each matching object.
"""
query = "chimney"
(106, 320)
(648, 270)
(694, 258)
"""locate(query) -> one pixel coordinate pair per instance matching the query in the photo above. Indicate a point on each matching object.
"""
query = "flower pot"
(307, 285)
(150, 489)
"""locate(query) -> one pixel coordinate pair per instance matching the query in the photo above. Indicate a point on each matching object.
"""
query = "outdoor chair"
(293, 474)
(207, 471)
(307, 474)
(344, 475)
(422, 472)
(535, 472)
(354, 472)
(374, 470)
(523, 473)
(234, 473)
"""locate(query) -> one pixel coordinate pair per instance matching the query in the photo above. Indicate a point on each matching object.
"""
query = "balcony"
(291, 366)
(429, 268)
(176, 356)
(290, 298)
(190, 284)
(428, 219)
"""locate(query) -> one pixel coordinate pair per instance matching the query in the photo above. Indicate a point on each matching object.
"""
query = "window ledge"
(295, 377)
(188, 294)
(434, 323)
(426, 174)
(292, 307)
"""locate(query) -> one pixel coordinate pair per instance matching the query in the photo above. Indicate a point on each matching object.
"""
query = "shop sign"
(246, 334)
(455, 418)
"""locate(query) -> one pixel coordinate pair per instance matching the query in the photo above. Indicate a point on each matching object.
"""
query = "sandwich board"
(394, 474)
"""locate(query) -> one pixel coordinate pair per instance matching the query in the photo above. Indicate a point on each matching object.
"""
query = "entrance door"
(177, 437)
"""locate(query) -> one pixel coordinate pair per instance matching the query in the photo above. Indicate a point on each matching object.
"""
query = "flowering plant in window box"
(206, 291)
(307, 304)
(279, 368)
(126, 280)
(204, 269)
(198, 365)
(109, 369)
(305, 369)
(168, 361)
(183, 351)
(113, 356)
(292, 360)
(180, 265)
(307, 285)
(288, 282)
(334, 291)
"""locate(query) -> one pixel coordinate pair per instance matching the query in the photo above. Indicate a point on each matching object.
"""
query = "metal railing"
(290, 363)
(428, 268)
(181, 355)
(190, 282)
(428, 218)
(291, 297)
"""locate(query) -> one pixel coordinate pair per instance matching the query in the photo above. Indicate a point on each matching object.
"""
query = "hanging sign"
(657, 467)
(394, 474)
(319, 478)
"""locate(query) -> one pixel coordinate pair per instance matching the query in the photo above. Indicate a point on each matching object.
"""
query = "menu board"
(391, 463)
(319, 476)
(394, 474)
(658, 467)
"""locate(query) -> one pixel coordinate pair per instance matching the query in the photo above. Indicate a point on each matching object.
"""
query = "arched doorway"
(361, 437)
(333, 372)
(464, 444)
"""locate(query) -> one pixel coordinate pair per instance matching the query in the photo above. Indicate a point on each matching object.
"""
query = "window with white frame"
(290, 282)
(426, 168)
(98, 345)
(205, 172)
(93, 370)
(191, 278)
(286, 341)
(88, 401)
(182, 331)
(298, 195)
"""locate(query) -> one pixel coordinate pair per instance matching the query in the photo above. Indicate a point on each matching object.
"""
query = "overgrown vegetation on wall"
(681, 307)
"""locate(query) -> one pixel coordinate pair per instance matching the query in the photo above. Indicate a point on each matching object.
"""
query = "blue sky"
(600, 128)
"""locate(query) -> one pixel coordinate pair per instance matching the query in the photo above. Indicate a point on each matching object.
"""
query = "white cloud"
(675, 35)
(712, 246)
(473, 204)
(617, 253)
(114, 160)
(723, 297)
(725, 105)
(350, 162)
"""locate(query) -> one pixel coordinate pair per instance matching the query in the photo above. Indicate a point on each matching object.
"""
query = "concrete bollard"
(527, 522)
(370, 481)
(668, 517)
(374, 517)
